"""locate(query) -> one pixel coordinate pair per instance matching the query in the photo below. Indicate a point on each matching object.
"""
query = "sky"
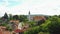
(46, 7)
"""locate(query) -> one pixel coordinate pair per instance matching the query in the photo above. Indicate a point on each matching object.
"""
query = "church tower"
(29, 16)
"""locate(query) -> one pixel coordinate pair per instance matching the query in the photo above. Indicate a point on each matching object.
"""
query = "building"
(38, 18)
(35, 17)
(3, 30)
(14, 24)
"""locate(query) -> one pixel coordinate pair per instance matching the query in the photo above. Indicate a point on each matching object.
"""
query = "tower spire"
(29, 16)
(29, 12)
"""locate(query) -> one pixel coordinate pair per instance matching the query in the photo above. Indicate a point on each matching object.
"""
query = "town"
(29, 24)
(29, 16)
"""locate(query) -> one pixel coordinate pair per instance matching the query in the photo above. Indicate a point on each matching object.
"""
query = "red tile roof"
(18, 30)
(1, 32)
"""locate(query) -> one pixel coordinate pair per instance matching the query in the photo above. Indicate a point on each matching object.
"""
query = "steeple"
(29, 12)
(29, 16)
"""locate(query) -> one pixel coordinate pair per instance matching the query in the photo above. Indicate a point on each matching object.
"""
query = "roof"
(1, 32)
(18, 30)
(14, 21)
(39, 18)
(2, 27)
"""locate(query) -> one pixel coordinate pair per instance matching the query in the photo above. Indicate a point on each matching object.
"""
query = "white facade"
(20, 25)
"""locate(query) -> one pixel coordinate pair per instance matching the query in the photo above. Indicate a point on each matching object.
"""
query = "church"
(35, 17)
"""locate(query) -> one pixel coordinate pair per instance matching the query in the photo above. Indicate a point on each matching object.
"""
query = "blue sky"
(10, 3)
(47, 7)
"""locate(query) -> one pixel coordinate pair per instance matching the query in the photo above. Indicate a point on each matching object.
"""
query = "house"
(14, 24)
(14, 21)
(3, 30)
(21, 28)
(18, 31)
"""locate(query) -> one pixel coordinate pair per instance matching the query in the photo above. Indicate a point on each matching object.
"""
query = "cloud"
(35, 6)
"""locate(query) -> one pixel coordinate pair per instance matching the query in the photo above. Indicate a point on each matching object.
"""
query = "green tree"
(32, 23)
(3, 24)
(33, 30)
(59, 16)
(51, 25)
(54, 26)
(43, 33)
(9, 28)
(10, 16)
(5, 16)
(23, 18)
(15, 17)
(40, 22)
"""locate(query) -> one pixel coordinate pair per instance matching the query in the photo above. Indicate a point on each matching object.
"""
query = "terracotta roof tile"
(18, 30)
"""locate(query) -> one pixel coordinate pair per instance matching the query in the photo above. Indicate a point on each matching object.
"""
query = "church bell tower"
(29, 16)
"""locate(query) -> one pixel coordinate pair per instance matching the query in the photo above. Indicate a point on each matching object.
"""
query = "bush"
(43, 33)
(9, 28)
(33, 30)
(54, 26)
(32, 23)
(4, 24)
